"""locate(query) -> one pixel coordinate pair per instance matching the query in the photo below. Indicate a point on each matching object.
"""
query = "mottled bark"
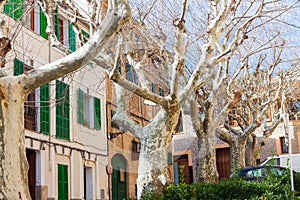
(13, 163)
(237, 154)
(207, 165)
(155, 138)
(153, 172)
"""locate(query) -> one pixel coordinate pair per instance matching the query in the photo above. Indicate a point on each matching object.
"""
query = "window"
(113, 124)
(14, 8)
(64, 31)
(59, 29)
(29, 105)
(63, 185)
(36, 20)
(153, 90)
(161, 92)
(62, 110)
(131, 74)
(30, 113)
(29, 20)
(179, 126)
(283, 144)
(89, 110)
(136, 146)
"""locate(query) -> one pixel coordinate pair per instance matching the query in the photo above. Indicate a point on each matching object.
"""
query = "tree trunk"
(13, 166)
(252, 152)
(237, 154)
(153, 172)
(207, 164)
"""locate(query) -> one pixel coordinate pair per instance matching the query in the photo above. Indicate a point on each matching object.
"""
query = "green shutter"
(57, 28)
(97, 113)
(8, 8)
(62, 110)
(14, 8)
(72, 38)
(80, 107)
(45, 108)
(63, 186)
(18, 67)
(85, 34)
(43, 25)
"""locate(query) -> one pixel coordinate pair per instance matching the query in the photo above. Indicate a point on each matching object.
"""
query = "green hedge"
(271, 188)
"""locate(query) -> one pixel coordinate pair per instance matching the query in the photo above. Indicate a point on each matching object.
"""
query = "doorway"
(119, 180)
(31, 159)
(88, 183)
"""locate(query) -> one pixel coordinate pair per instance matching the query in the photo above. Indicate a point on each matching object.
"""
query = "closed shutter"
(85, 34)
(14, 8)
(43, 25)
(18, 67)
(57, 25)
(62, 174)
(80, 106)
(62, 110)
(97, 113)
(72, 38)
(45, 108)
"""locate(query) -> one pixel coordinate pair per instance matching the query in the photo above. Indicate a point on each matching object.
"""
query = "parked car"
(282, 160)
(260, 172)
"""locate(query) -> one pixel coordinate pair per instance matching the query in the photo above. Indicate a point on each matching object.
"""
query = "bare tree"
(259, 107)
(14, 90)
(229, 26)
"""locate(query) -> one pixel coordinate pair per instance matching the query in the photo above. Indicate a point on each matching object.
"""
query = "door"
(223, 162)
(88, 183)
(119, 184)
(184, 170)
(31, 158)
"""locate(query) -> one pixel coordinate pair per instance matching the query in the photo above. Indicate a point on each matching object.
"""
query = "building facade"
(65, 120)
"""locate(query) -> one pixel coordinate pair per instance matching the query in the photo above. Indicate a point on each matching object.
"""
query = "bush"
(271, 188)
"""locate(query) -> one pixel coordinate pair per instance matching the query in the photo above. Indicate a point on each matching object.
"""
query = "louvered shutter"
(62, 110)
(43, 25)
(45, 108)
(80, 107)
(62, 174)
(18, 67)
(72, 38)
(97, 113)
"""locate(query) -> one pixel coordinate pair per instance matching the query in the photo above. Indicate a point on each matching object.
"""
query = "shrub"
(271, 188)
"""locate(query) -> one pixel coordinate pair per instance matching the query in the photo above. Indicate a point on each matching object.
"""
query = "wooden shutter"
(18, 67)
(80, 106)
(14, 8)
(72, 38)
(62, 110)
(85, 34)
(57, 25)
(63, 185)
(8, 8)
(45, 108)
(43, 25)
(97, 113)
